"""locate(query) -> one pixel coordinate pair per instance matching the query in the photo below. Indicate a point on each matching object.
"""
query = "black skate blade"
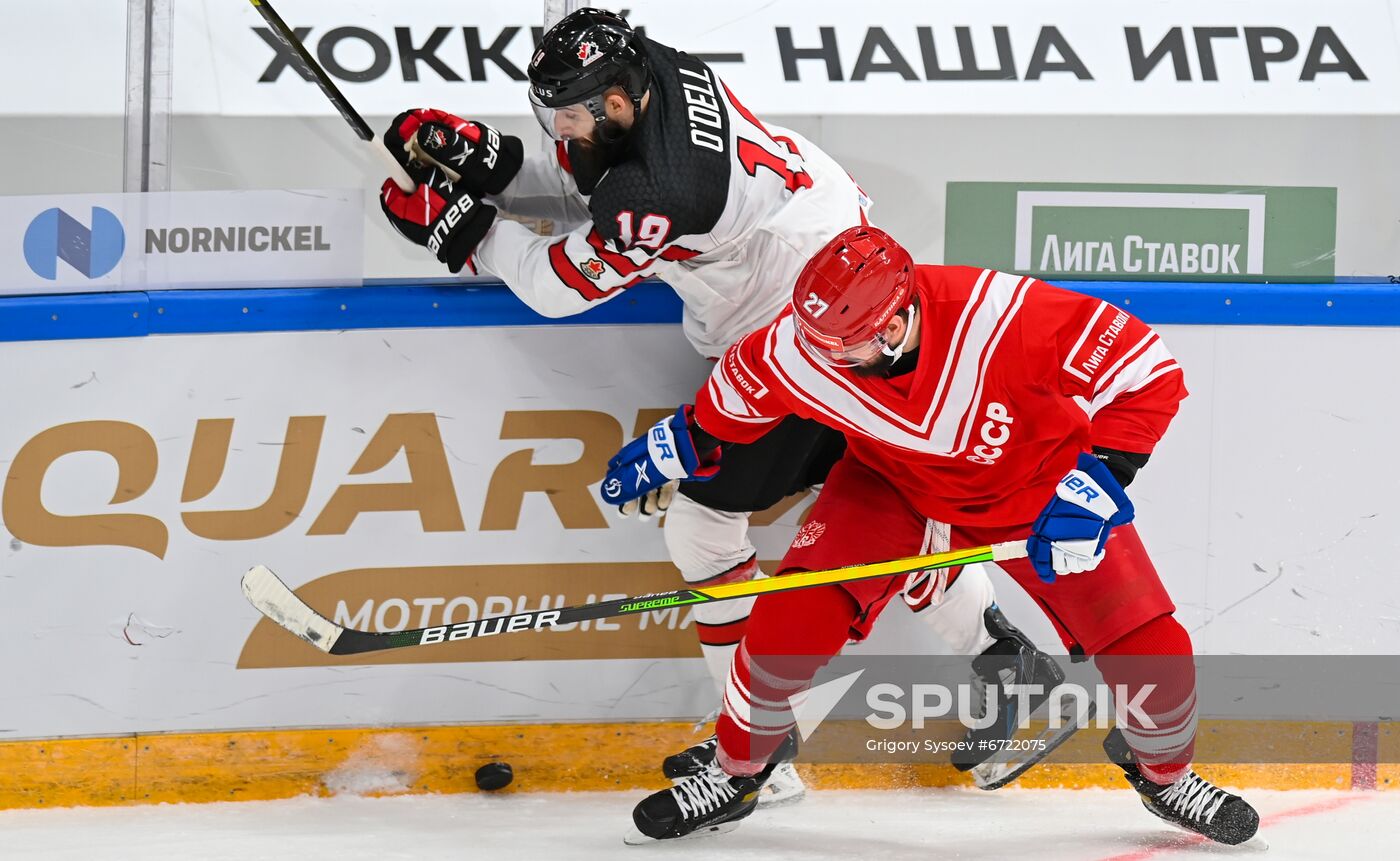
(1257, 843)
(1253, 845)
(1006, 765)
(636, 838)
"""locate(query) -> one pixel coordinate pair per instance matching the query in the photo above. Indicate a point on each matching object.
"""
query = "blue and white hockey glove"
(663, 454)
(1069, 535)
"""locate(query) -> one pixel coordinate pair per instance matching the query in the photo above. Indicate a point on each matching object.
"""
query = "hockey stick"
(277, 602)
(307, 65)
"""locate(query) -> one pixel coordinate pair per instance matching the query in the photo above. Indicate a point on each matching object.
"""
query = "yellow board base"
(261, 765)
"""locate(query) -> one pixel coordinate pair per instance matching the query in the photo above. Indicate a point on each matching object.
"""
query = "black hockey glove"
(485, 159)
(439, 214)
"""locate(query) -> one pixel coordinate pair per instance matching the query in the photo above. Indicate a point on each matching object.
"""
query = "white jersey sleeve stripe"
(1127, 357)
(1160, 371)
(732, 405)
(1151, 364)
(1068, 366)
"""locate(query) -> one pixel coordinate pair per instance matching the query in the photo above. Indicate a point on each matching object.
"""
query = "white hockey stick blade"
(396, 171)
(270, 595)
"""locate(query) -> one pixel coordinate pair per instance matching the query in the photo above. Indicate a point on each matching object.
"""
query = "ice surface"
(1034, 825)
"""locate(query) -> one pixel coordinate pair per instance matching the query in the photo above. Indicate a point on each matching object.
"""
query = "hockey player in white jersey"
(660, 171)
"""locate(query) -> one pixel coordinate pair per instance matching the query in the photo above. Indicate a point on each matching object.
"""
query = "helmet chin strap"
(895, 352)
(597, 106)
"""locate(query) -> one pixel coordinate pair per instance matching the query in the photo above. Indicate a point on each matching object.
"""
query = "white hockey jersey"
(724, 209)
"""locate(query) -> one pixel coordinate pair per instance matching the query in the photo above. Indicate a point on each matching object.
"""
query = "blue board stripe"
(85, 315)
(1353, 304)
(387, 304)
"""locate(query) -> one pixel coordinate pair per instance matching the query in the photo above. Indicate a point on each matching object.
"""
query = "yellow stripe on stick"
(803, 579)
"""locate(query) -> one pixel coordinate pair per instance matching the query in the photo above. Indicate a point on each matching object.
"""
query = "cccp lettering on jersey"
(702, 107)
(995, 432)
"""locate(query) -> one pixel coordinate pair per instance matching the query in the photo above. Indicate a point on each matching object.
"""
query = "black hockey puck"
(493, 776)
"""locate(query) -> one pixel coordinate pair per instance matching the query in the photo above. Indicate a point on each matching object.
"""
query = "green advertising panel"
(1144, 232)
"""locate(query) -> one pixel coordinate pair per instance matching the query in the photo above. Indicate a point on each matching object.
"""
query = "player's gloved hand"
(485, 159)
(650, 503)
(1069, 535)
(666, 453)
(440, 215)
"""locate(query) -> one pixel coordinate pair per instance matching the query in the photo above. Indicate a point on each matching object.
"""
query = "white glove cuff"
(661, 445)
(1077, 487)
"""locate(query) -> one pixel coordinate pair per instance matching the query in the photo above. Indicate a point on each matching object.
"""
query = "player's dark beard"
(885, 365)
(879, 367)
(591, 157)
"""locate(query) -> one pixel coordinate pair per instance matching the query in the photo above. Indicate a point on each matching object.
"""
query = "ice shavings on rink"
(1045, 825)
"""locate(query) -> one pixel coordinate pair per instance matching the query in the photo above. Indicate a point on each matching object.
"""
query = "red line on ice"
(1187, 841)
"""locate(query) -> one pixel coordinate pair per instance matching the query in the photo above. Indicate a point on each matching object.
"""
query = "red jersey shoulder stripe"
(571, 276)
(619, 262)
(677, 253)
(743, 111)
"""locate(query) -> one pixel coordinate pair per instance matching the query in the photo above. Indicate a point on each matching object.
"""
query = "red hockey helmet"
(848, 292)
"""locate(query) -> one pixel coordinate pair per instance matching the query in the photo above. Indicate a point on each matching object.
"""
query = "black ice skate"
(1013, 660)
(707, 802)
(784, 786)
(1191, 803)
(690, 761)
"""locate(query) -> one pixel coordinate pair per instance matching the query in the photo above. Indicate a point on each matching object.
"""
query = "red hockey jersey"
(1014, 379)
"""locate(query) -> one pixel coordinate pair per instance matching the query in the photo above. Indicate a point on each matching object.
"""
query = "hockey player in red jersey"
(991, 402)
(659, 170)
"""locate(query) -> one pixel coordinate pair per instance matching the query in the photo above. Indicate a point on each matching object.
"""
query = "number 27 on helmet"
(847, 294)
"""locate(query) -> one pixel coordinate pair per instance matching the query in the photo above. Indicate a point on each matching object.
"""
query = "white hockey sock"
(957, 616)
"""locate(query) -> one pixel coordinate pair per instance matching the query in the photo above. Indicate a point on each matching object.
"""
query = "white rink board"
(1091, 35)
(1067, 57)
(1270, 510)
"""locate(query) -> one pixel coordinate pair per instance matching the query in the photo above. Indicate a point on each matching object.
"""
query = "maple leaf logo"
(593, 268)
